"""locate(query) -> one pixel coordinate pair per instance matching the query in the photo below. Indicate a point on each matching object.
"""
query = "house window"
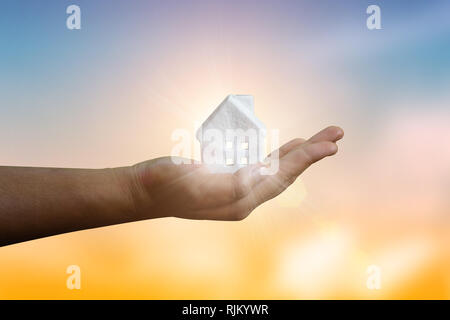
(236, 153)
(229, 154)
(244, 152)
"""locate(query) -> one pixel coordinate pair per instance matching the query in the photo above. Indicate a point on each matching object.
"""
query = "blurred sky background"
(112, 93)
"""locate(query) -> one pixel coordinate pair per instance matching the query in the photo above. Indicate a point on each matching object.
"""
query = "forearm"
(39, 202)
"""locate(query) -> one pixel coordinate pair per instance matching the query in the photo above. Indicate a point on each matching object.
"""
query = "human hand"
(40, 202)
(161, 188)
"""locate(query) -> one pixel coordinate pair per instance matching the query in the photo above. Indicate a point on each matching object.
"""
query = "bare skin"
(40, 202)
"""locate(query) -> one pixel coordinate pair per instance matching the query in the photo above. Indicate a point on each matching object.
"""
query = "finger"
(238, 210)
(290, 167)
(267, 187)
(284, 149)
(296, 161)
(331, 133)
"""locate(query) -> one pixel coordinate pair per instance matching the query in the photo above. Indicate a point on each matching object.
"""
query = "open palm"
(163, 188)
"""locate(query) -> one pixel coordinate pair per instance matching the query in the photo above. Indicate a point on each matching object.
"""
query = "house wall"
(226, 151)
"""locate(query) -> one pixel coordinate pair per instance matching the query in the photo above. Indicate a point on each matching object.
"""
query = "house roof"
(243, 103)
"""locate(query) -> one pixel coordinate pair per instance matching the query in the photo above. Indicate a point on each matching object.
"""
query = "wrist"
(126, 188)
(135, 193)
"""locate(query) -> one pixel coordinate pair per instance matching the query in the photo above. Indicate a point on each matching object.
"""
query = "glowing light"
(293, 196)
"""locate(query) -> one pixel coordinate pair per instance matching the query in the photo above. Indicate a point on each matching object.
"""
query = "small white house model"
(232, 137)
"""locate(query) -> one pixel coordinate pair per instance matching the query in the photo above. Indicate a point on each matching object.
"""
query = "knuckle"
(305, 157)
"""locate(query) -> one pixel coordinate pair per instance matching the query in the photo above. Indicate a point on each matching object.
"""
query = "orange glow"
(383, 199)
